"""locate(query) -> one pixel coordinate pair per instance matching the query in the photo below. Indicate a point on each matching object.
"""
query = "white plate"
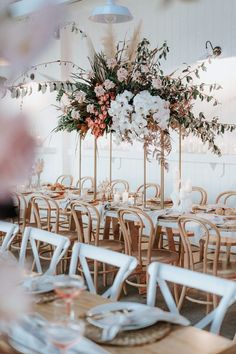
(40, 288)
(84, 346)
(143, 322)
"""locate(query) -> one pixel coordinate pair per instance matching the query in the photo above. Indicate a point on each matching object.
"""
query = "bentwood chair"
(50, 217)
(59, 244)
(201, 193)
(152, 190)
(88, 226)
(162, 273)
(10, 231)
(209, 260)
(119, 184)
(83, 253)
(140, 240)
(65, 180)
(86, 182)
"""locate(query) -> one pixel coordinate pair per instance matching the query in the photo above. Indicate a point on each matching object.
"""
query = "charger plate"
(131, 338)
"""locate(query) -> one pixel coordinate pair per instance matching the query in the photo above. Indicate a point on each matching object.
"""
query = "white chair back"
(34, 237)
(11, 231)
(162, 273)
(82, 252)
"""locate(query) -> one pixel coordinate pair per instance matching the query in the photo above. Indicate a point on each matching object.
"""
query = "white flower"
(80, 96)
(108, 84)
(111, 63)
(122, 74)
(156, 83)
(136, 75)
(90, 108)
(75, 115)
(144, 69)
(99, 90)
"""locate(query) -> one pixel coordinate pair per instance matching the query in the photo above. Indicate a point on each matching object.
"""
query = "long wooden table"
(181, 340)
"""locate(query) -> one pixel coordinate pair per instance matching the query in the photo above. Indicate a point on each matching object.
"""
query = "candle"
(188, 186)
(116, 197)
(125, 197)
(131, 201)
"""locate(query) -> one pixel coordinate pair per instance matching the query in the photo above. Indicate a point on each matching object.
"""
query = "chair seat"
(72, 235)
(224, 269)
(224, 241)
(111, 245)
(159, 255)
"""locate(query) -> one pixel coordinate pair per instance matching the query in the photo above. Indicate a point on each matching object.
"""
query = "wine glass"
(69, 287)
(64, 335)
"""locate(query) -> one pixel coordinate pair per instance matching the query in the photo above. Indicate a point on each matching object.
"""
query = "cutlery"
(101, 315)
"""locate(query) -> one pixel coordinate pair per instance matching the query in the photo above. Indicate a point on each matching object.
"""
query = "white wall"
(186, 25)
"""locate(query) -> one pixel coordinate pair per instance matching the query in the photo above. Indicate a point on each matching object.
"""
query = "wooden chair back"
(87, 222)
(119, 183)
(152, 190)
(65, 180)
(137, 227)
(188, 223)
(203, 194)
(84, 181)
(226, 198)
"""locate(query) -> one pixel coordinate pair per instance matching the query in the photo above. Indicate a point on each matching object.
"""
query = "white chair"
(34, 237)
(126, 264)
(10, 230)
(163, 273)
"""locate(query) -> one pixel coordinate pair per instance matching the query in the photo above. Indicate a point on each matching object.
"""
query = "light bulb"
(110, 18)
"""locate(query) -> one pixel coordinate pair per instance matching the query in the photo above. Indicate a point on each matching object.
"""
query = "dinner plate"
(84, 346)
(119, 306)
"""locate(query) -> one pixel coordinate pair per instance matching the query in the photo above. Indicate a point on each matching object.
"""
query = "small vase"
(38, 185)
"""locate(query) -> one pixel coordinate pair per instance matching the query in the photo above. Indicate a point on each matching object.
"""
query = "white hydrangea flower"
(108, 84)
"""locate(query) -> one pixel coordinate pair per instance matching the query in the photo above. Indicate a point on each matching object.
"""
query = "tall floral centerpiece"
(126, 92)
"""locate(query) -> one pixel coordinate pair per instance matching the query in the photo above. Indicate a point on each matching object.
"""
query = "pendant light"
(111, 13)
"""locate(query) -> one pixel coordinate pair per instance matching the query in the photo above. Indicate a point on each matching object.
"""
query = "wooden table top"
(181, 340)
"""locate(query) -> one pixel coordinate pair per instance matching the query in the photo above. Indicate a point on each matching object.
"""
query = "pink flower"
(136, 75)
(108, 84)
(99, 90)
(111, 63)
(144, 69)
(90, 108)
(122, 74)
(80, 96)
(156, 83)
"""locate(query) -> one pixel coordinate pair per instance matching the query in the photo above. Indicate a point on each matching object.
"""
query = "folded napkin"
(35, 283)
(28, 337)
(113, 324)
(215, 219)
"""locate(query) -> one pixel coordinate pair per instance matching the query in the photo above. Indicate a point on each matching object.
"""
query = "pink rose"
(122, 74)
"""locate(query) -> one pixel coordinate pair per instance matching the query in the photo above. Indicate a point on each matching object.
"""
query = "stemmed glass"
(69, 287)
(64, 336)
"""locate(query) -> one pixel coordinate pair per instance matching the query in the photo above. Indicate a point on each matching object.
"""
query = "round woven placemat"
(131, 338)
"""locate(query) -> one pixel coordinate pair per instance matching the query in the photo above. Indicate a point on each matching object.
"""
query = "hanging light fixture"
(211, 52)
(111, 13)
